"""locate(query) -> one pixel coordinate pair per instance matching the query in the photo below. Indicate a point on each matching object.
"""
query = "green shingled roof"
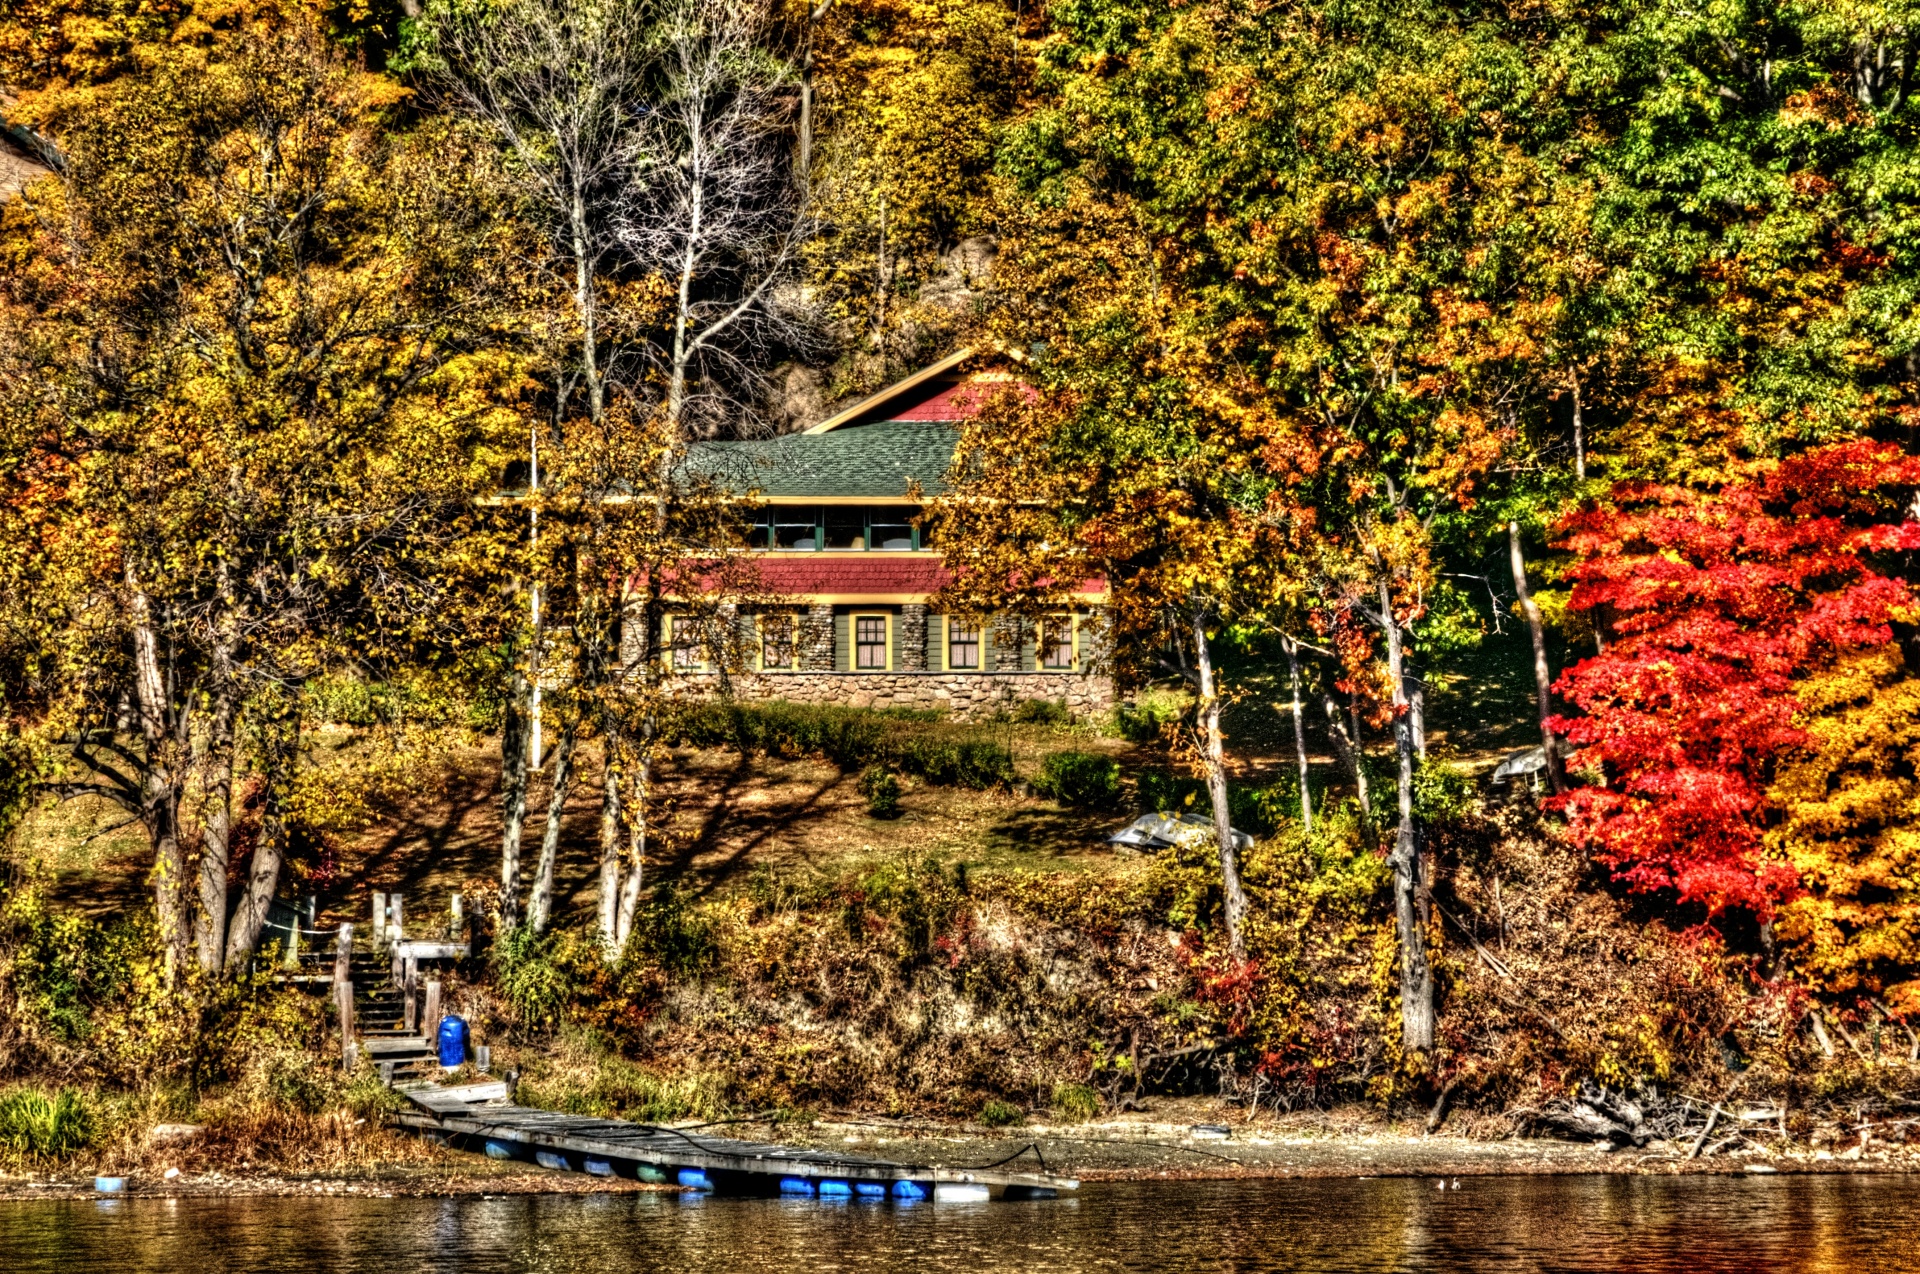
(875, 460)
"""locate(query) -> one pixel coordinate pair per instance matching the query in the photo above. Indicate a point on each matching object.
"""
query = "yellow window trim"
(946, 646)
(853, 639)
(670, 652)
(1072, 621)
(793, 642)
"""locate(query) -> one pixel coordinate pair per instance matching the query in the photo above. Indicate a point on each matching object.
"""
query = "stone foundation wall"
(967, 695)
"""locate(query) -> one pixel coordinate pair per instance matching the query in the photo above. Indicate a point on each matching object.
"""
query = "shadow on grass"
(1044, 833)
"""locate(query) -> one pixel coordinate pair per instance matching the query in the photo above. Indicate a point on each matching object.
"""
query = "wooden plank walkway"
(651, 1152)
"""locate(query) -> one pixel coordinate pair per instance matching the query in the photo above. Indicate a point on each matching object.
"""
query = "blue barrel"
(453, 1041)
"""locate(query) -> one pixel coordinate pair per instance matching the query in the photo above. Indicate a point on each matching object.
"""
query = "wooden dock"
(479, 1117)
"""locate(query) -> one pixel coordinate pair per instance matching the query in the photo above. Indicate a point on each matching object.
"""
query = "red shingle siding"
(867, 575)
(872, 575)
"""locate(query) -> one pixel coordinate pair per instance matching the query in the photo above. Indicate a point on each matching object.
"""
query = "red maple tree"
(1716, 604)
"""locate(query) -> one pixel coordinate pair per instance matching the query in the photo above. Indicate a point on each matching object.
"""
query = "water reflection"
(1815, 1225)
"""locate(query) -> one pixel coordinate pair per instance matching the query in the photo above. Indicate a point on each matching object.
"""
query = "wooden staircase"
(386, 1012)
(403, 1052)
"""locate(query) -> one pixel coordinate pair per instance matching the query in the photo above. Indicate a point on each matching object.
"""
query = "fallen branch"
(1713, 1118)
(1820, 1032)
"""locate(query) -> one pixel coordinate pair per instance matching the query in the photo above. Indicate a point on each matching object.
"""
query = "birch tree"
(650, 139)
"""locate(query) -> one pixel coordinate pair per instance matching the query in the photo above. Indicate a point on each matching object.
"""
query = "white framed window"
(1055, 640)
(963, 645)
(872, 643)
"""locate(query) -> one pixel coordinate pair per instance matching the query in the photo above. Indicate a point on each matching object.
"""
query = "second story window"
(846, 526)
(787, 526)
(889, 528)
(837, 527)
(963, 644)
(870, 642)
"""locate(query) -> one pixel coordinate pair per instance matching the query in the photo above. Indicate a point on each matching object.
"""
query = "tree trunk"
(513, 779)
(1417, 715)
(540, 904)
(805, 165)
(216, 833)
(1214, 757)
(1299, 733)
(637, 832)
(610, 827)
(160, 794)
(280, 745)
(1349, 750)
(1579, 435)
(882, 283)
(1416, 974)
(1542, 677)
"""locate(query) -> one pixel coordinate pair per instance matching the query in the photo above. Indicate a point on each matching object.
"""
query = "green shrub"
(1000, 1114)
(1440, 792)
(904, 740)
(1079, 778)
(882, 791)
(43, 1127)
(1076, 1103)
(67, 967)
(675, 933)
(1144, 720)
(531, 976)
(1042, 712)
(974, 763)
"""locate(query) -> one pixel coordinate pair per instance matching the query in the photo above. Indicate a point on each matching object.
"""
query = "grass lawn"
(725, 816)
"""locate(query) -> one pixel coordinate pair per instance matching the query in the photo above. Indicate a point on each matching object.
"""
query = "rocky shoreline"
(1120, 1151)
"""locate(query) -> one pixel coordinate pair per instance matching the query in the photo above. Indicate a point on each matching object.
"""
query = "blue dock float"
(480, 1116)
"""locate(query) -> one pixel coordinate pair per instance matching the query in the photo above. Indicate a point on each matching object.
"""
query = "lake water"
(1841, 1224)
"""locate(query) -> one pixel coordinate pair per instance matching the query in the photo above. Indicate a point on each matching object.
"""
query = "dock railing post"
(396, 930)
(343, 991)
(291, 957)
(377, 935)
(430, 1017)
(410, 988)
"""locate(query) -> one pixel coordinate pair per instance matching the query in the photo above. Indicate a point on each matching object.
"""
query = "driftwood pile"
(1708, 1128)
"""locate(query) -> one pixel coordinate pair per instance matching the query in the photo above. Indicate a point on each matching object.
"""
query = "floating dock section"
(480, 1117)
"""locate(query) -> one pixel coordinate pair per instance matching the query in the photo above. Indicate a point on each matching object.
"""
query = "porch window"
(683, 640)
(870, 643)
(1056, 641)
(778, 641)
(963, 644)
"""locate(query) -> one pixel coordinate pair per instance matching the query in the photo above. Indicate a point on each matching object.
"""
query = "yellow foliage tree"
(1850, 801)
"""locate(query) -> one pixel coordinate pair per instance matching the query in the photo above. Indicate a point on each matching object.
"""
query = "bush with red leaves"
(1716, 604)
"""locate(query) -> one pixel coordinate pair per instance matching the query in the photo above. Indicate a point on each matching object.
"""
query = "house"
(850, 577)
